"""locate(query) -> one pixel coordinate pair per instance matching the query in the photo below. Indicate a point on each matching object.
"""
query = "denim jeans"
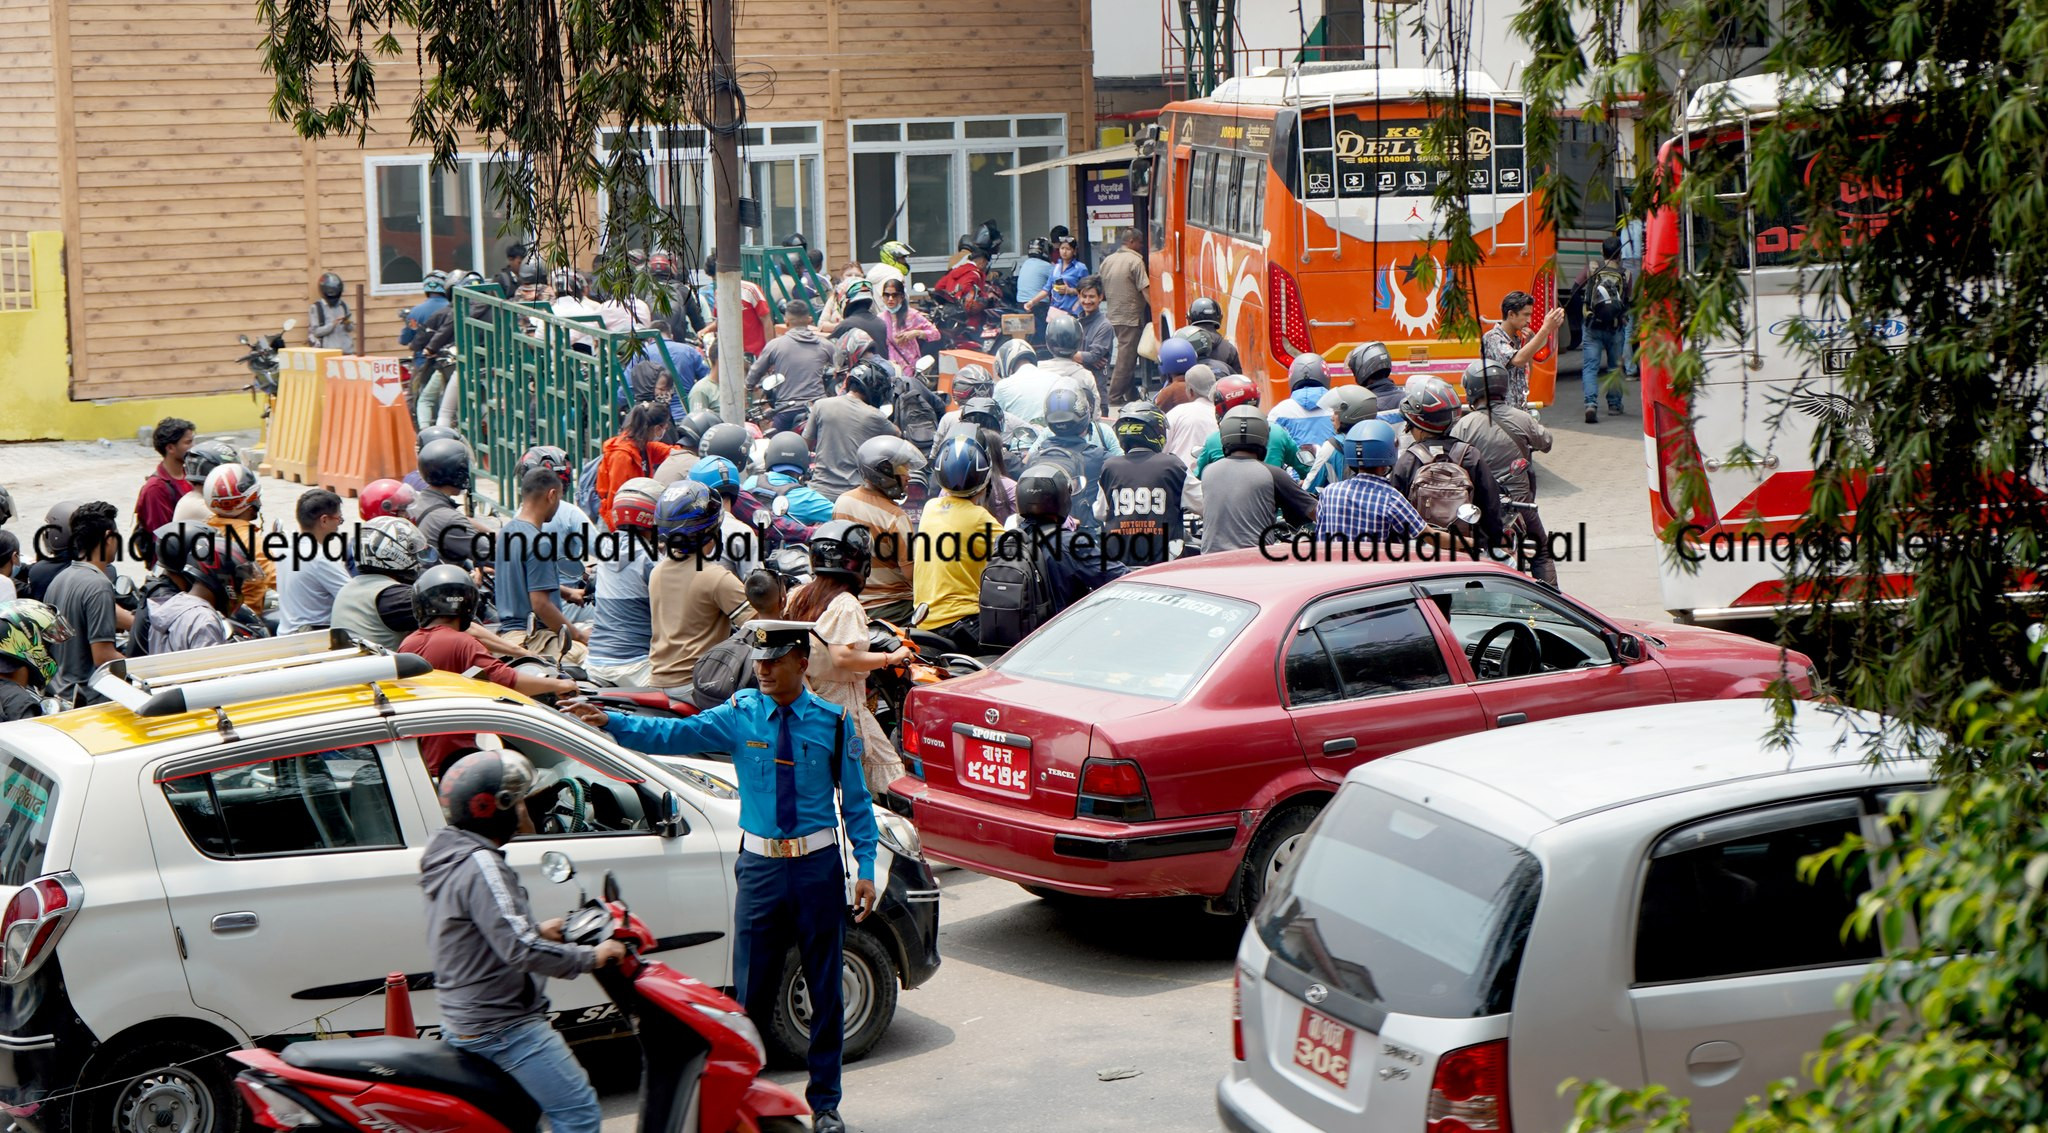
(1612, 342)
(536, 1057)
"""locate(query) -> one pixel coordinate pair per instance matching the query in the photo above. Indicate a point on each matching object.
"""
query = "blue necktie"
(785, 774)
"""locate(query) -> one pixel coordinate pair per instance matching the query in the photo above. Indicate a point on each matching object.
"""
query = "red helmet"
(633, 503)
(1233, 391)
(230, 488)
(384, 497)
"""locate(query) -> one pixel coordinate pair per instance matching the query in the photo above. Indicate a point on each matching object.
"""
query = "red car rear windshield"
(1152, 641)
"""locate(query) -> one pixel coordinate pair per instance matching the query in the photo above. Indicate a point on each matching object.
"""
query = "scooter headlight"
(739, 1024)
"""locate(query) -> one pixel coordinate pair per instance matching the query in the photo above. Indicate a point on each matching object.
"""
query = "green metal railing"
(520, 388)
(782, 273)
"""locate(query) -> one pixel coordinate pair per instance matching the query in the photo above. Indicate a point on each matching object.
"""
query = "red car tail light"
(1469, 1093)
(913, 748)
(34, 919)
(1286, 319)
(1113, 788)
(1237, 1013)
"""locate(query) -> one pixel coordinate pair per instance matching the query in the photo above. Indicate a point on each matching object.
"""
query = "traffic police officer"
(792, 750)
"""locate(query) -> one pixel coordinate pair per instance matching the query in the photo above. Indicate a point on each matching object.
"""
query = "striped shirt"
(623, 631)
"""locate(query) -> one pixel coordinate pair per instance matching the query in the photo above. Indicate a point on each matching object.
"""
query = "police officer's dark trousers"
(801, 902)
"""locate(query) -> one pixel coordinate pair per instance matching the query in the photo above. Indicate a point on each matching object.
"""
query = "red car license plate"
(1323, 1047)
(996, 767)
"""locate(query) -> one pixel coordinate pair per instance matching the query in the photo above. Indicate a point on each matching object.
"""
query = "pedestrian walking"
(331, 325)
(1125, 305)
(1603, 298)
(798, 759)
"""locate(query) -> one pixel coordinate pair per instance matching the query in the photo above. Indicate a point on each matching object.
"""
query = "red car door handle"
(1511, 719)
(1339, 747)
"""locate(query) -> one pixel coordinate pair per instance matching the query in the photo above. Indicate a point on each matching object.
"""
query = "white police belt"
(789, 847)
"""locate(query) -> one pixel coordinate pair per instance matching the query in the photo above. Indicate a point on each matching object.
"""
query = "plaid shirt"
(1366, 506)
(1497, 345)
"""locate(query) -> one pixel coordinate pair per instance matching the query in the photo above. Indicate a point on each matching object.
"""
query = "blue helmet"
(1066, 411)
(1176, 357)
(1369, 444)
(963, 466)
(436, 283)
(717, 474)
(687, 511)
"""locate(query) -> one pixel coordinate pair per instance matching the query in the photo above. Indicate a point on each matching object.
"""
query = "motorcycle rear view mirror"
(772, 381)
(290, 323)
(926, 365)
(611, 886)
(556, 866)
(781, 506)
(918, 612)
(669, 822)
(243, 338)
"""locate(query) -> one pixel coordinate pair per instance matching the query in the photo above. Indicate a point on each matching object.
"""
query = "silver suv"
(1610, 896)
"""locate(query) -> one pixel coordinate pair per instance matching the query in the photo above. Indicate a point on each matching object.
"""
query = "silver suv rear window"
(1404, 909)
(28, 801)
(1143, 640)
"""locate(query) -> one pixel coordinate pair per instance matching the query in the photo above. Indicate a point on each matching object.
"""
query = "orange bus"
(1312, 243)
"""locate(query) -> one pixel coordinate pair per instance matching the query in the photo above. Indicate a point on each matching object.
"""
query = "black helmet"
(1205, 312)
(983, 411)
(176, 541)
(727, 440)
(532, 273)
(1430, 404)
(1045, 493)
(57, 522)
(549, 457)
(482, 790)
(6, 506)
(1066, 412)
(1245, 428)
(787, 452)
(206, 456)
(445, 591)
(1307, 370)
(1063, 336)
(963, 465)
(1486, 383)
(972, 381)
(433, 433)
(875, 381)
(844, 549)
(1140, 425)
(223, 566)
(850, 349)
(445, 464)
(886, 463)
(1204, 340)
(795, 240)
(330, 287)
(1039, 248)
(1369, 360)
(691, 432)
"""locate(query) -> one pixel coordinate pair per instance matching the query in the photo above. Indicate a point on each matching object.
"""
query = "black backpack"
(1607, 297)
(1015, 596)
(724, 669)
(914, 414)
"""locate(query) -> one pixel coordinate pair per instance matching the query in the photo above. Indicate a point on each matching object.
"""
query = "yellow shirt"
(947, 555)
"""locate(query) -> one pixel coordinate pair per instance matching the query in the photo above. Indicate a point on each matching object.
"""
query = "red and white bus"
(1760, 393)
(1300, 201)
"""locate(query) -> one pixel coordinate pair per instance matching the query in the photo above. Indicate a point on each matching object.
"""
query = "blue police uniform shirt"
(745, 728)
(807, 505)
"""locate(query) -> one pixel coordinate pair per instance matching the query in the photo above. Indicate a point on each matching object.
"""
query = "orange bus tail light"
(1287, 320)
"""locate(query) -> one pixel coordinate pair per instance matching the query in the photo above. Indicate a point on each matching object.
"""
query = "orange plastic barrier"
(952, 360)
(366, 431)
(292, 444)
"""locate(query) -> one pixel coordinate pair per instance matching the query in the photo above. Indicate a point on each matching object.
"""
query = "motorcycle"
(263, 364)
(700, 1057)
(932, 660)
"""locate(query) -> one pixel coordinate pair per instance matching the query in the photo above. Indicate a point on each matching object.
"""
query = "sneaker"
(1592, 415)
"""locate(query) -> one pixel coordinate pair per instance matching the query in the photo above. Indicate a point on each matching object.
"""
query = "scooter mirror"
(611, 886)
(780, 506)
(556, 866)
(772, 381)
(918, 612)
(244, 339)
(290, 323)
(926, 365)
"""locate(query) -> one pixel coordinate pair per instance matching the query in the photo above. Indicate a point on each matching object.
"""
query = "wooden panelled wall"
(190, 216)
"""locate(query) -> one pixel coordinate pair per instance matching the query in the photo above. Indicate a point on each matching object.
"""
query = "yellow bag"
(1148, 343)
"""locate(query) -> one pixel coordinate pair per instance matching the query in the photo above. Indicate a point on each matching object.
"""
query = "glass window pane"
(631, 204)
(497, 217)
(1225, 193)
(1133, 638)
(929, 214)
(1742, 906)
(454, 239)
(331, 800)
(1039, 128)
(793, 135)
(399, 253)
(775, 187)
(1035, 193)
(1310, 679)
(750, 136)
(1387, 649)
(875, 194)
(877, 132)
(1198, 189)
(999, 128)
(683, 191)
(930, 131)
(814, 194)
(991, 196)
(1251, 195)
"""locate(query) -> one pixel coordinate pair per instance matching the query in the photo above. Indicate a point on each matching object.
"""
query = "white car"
(1612, 896)
(183, 883)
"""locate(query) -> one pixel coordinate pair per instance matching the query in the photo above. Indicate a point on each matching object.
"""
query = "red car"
(1176, 732)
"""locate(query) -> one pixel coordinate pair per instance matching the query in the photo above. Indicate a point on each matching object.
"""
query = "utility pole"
(726, 189)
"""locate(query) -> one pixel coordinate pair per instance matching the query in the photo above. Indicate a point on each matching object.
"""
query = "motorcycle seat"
(422, 1064)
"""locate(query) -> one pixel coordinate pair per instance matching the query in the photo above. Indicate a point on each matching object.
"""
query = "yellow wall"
(35, 374)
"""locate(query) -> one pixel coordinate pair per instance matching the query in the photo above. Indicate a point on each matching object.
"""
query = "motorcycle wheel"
(870, 994)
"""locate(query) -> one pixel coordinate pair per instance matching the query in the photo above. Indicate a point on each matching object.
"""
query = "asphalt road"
(1036, 999)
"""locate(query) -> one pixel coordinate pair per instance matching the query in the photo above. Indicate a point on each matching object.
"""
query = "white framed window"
(784, 171)
(925, 181)
(423, 219)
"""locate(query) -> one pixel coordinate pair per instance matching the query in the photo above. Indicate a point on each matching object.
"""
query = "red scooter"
(700, 1057)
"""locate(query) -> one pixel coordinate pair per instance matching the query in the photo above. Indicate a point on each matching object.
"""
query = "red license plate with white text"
(995, 761)
(1323, 1048)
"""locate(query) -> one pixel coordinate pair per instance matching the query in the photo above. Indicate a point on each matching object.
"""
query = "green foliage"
(534, 81)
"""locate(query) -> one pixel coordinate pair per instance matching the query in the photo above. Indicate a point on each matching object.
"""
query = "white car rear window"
(28, 801)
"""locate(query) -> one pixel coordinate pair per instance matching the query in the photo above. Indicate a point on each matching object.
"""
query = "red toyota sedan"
(1176, 732)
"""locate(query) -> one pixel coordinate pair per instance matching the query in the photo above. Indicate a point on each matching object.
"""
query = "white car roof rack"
(220, 675)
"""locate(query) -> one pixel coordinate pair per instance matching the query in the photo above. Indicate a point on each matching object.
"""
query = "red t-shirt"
(453, 651)
(158, 500)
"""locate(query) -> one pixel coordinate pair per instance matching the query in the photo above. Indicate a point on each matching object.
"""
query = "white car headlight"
(899, 834)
